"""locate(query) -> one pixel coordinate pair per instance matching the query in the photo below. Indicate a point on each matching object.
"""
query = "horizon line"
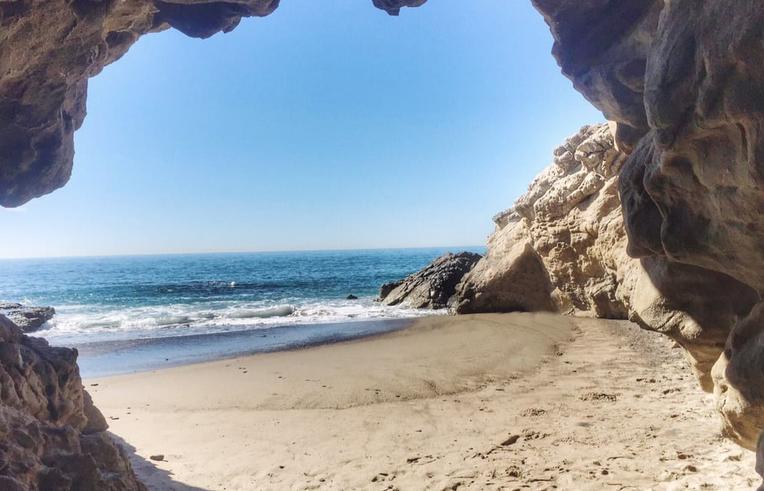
(263, 251)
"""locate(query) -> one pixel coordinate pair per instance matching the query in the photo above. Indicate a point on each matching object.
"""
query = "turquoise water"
(118, 299)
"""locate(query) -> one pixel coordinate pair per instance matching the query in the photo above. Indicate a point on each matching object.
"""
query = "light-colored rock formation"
(28, 319)
(568, 227)
(683, 82)
(433, 286)
(511, 277)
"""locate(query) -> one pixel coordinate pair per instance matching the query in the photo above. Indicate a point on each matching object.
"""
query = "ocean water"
(221, 304)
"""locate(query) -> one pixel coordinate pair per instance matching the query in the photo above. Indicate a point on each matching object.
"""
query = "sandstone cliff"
(564, 247)
(682, 80)
(562, 244)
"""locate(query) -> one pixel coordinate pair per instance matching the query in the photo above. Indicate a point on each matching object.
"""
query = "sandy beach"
(499, 401)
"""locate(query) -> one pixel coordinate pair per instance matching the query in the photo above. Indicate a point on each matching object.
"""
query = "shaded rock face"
(683, 80)
(511, 279)
(49, 49)
(28, 319)
(433, 286)
(51, 435)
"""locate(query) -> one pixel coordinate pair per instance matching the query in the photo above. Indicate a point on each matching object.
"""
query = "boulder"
(51, 435)
(507, 281)
(433, 286)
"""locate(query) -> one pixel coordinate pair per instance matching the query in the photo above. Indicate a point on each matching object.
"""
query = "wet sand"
(513, 401)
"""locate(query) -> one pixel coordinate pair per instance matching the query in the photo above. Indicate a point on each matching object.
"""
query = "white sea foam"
(80, 324)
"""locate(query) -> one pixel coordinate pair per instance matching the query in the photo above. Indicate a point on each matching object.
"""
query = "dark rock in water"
(385, 289)
(28, 319)
(433, 286)
(51, 435)
(351, 297)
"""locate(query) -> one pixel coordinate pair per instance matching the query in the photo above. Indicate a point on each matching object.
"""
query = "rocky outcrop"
(433, 286)
(565, 234)
(683, 82)
(570, 225)
(49, 49)
(28, 319)
(51, 435)
(511, 278)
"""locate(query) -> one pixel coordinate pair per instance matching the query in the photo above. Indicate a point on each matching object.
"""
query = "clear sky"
(327, 125)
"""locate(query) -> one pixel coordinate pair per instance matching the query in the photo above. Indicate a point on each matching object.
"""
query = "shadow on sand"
(153, 477)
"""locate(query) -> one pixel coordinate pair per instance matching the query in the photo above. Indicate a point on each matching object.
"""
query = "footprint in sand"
(532, 412)
(598, 396)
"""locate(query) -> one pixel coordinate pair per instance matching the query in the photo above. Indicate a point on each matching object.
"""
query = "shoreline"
(554, 403)
(118, 357)
(426, 357)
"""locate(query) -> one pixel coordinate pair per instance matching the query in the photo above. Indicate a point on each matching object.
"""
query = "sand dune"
(513, 401)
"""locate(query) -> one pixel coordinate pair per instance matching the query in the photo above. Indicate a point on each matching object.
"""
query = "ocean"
(129, 313)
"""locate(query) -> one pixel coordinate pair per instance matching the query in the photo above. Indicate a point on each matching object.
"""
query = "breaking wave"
(75, 324)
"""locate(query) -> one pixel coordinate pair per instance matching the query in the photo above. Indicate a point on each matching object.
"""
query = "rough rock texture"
(603, 47)
(51, 435)
(433, 286)
(684, 83)
(49, 49)
(566, 234)
(28, 319)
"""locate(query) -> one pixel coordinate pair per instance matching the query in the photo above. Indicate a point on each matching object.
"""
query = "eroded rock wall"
(683, 82)
(570, 222)
(51, 435)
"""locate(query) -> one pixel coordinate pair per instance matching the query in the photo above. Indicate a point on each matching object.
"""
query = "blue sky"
(326, 125)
